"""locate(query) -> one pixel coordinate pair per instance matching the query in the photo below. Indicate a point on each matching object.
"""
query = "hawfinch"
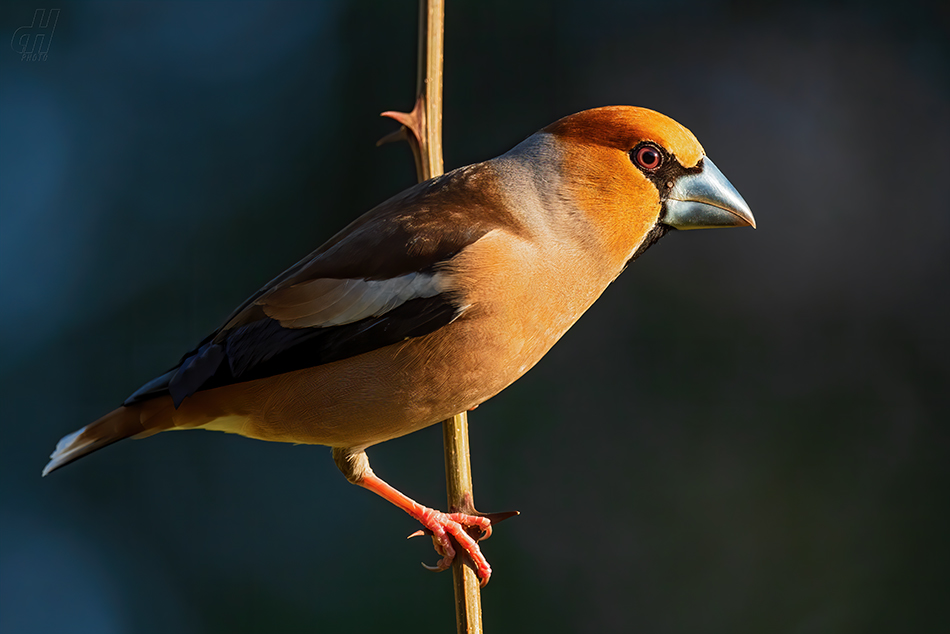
(436, 300)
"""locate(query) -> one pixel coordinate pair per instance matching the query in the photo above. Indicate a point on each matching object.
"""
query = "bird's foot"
(449, 530)
(461, 529)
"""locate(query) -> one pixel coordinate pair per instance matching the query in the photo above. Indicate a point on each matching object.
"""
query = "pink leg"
(441, 525)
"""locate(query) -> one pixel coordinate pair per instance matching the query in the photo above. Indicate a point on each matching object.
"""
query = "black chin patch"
(658, 231)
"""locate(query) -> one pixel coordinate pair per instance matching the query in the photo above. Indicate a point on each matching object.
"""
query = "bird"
(436, 300)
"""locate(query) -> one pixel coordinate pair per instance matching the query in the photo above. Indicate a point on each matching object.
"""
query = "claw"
(439, 567)
(458, 531)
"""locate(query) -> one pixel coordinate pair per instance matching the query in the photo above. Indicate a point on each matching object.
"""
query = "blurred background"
(749, 432)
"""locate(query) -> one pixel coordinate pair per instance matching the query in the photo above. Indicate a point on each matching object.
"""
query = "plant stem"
(422, 128)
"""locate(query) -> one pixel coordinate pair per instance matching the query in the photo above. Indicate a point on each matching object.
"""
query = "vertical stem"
(458, 476)
(429, 83)
(423, 130)
(458, 466)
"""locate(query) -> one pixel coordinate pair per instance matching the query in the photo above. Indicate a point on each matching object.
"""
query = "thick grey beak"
(706, 200)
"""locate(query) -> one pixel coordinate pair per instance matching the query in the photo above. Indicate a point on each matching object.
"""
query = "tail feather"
(113, 427)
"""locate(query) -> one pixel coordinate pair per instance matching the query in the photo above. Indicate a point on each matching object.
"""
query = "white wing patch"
(328, 302)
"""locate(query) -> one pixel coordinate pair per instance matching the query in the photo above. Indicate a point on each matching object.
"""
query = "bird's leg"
(440, 525)
(444, 527)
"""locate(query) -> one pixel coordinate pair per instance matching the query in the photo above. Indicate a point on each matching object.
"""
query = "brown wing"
(376, 283)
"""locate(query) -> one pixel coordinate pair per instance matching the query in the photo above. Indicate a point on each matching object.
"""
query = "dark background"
(749, 432)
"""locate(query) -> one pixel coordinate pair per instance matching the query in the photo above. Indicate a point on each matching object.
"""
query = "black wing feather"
(265, 348)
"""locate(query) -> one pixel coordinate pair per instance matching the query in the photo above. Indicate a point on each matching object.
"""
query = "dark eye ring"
(648, 157)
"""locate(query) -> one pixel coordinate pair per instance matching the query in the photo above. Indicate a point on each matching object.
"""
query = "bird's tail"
(118, 424)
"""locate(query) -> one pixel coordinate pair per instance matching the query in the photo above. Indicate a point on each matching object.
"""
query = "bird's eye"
(648, 157)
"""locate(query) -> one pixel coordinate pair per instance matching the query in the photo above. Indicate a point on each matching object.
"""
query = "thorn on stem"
(392, 137)
(414, 120)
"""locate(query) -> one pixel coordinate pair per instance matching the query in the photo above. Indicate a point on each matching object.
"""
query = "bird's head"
(636, 173)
